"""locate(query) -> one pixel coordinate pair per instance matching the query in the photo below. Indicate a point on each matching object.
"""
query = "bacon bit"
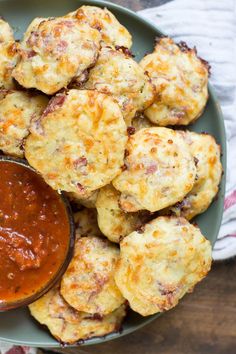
(31, 41)
(151, 169)
(125, 50)
(80, 187)
(124, 167)
(131, 131)
(95, 316)
(54, 104)
(31, 54)
(22, 145)
(80, 162)
(195, 160)
(170, 141)
(184, 47)
(141, 229)
(62, 45)
(78, 81)
(126, 153)
(206, 64)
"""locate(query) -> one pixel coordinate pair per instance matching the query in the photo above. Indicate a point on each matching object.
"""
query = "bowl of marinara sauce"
(36, 234)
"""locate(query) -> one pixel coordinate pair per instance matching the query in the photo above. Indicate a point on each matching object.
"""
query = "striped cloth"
(211, 26)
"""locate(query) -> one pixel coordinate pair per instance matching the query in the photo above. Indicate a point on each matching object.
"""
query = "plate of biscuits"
(117, 121)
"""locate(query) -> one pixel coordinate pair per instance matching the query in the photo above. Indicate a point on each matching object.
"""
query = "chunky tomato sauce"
(34, 232)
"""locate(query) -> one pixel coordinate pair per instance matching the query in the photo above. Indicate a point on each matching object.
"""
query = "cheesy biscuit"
(86, 223)
(159, 172)
(6, 32)
(112, 220)
(8, 55)
(180, 78)
(112, 32)
(78, 144)
(68, 325)
(209, 171)
(88, 284)
(17, 110)
(159, 266)
(117, 74)
(54, 51)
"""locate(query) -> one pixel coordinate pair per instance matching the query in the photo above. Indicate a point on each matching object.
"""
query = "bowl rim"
(115, 335)
(4, 307)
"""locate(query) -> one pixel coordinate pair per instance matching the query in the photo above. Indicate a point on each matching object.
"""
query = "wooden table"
(203, 323)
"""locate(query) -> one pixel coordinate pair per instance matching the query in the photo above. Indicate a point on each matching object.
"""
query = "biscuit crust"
(78, 144)
(17, 110)
(117, 74)
(68, 325)
(54, 52)
(88, 284)
(180, 78)
(159, 170)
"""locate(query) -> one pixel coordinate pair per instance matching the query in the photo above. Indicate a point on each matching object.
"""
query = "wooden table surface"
(203, 323)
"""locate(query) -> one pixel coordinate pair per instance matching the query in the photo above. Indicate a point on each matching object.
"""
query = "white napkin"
(210, 25)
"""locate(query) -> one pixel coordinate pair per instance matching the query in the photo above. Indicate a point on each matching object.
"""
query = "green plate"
(17, 326)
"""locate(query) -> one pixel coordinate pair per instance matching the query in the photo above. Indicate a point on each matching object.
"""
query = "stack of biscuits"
(111, 133)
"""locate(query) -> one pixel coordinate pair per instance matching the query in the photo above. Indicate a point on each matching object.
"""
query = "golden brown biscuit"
(117, 74)
(88, 284)
(112, 32)
(17, 109)
(68, 325)
(78, 144)
(209, 171)
(54, 51)
(159, 170)
(86, 223)
(159, 266)
(180, 78)
(112, 220)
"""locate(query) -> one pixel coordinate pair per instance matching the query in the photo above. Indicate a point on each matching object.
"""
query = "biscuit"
(78, 144)
(68, 325)
(88, 284)
(6, 32)
(112, 220)
(112, 32)
(86, 202)
(159, 170)
(17, 109)
(209, 171)
(159, 266)
(117, 74)
(54, 52)
(180, 78)
(8, 55)
(86, 223)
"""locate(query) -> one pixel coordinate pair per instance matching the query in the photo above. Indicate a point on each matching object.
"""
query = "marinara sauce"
(34, 232)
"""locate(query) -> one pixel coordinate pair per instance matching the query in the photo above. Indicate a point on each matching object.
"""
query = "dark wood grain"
(203, 323)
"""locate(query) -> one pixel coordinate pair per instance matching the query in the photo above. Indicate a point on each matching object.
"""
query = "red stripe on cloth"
(230, 200)
(16, 350)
